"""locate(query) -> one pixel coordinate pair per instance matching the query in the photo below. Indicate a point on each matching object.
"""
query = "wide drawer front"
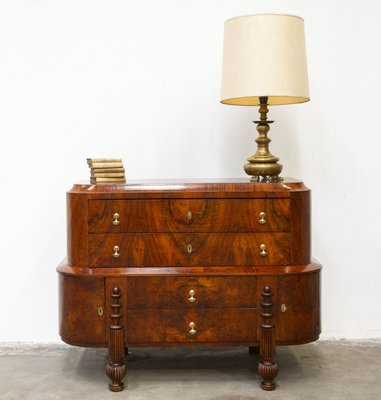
(191, 292)
(174, 325)
(192, 215)
(161, 250)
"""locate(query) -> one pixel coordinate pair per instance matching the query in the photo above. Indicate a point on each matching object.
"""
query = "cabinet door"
(298, 311)
(82, 317)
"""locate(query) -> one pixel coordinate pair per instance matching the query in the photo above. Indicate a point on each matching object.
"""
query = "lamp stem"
(263, 128)
(263, 166)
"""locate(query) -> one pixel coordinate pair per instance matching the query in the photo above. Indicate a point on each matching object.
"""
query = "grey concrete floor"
(323, 370)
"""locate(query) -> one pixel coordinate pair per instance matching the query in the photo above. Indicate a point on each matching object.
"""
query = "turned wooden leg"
(267, 368)
(116, 369)
(253, 349)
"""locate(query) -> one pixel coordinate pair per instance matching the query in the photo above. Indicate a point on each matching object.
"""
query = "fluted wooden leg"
(267, 368)
(116, 369)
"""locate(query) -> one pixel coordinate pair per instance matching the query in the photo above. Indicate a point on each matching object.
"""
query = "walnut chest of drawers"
(189, 263)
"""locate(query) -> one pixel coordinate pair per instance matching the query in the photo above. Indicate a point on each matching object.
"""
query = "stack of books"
(106, 170)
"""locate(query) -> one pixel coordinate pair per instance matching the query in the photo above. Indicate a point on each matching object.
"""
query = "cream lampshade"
(264, 63)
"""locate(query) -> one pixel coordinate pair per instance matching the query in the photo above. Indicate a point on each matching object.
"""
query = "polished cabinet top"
(191, 188)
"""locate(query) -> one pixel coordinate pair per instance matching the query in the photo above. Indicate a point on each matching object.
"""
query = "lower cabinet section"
(192, 326)
(217, 310)
(157, 310)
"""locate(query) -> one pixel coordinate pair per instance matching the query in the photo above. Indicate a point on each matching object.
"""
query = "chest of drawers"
(214, 263)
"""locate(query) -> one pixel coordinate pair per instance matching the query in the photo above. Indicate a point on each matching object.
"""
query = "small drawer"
(192, 215)
(191, 292)
(175, 250)
(180, 326)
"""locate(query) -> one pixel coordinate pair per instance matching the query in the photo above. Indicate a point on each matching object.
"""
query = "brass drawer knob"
(262, 218)
(115, 219)
(191, 297)
(192, 331)
(263, 249)
(189, 248)
(116, 252)
(283, 308)
(189, 214)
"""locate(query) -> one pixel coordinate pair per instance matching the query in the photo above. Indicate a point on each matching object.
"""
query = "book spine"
(107, 175)
(107, 165)
(103, 160)
(107, 180)
(107, 170)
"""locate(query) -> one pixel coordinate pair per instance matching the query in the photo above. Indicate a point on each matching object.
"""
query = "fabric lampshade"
(264, 55)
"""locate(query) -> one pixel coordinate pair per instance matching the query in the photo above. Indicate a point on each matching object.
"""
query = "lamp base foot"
(263, 172)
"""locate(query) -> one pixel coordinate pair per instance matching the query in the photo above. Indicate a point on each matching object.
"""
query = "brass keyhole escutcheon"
(100, 311)
(116, 252)
(283, 308)
(191, 297)
(192, 331)
(189, 214)
(263, 249)
(262, 218)
(189, 248)
(115, 219)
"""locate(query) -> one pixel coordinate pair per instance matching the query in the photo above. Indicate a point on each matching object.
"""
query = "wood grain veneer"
(171, 249)
(189, 215)
(189, 252)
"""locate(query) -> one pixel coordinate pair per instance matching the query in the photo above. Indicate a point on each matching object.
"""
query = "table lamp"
(264, 63)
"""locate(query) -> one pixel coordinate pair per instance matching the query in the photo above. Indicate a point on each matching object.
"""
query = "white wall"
(140, 80)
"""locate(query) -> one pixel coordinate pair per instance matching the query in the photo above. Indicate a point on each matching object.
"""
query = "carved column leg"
(116, 369)
(267, 368)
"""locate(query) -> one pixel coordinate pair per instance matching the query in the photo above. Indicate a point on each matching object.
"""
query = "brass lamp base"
(263, 172)
(263, 166)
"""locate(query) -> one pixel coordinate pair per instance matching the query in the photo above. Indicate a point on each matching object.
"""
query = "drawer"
(192, 215)
(162, 250)
(191, 292)
(175, 326)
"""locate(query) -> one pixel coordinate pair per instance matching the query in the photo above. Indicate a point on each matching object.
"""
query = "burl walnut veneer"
(214, 263)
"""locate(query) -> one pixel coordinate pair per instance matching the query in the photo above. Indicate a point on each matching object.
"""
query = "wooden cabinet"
(214, 263)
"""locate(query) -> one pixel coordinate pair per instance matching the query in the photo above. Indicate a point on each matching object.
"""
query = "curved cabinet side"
(77, 229)
(81, 311)
(298, 309)
(301, 227)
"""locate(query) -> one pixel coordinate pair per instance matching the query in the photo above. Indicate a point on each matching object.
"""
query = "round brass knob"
(262, 218)
(263, 249)
(116, 252)
(115, 219)
(191, 297)
(283, 308)
(189, 214)
(192, 331)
